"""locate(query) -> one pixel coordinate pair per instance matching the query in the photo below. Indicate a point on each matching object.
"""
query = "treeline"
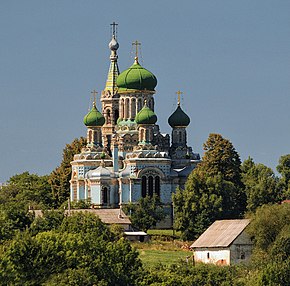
(81, 250)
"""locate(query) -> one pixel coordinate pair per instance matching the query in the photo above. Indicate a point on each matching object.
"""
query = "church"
(126, 156)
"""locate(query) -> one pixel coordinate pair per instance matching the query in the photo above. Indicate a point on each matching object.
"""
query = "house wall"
(241, 249)
(212, 255)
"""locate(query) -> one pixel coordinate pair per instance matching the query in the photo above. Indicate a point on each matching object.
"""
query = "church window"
(105, 195)
(108, 116)
(150, 186)
(144, 186)
(180, 136)
(90, 136)
(126, 108)
(116, 116)
(157, 186)
(133, 108)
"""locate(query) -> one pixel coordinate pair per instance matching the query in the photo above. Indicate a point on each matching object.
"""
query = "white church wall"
(95, 194)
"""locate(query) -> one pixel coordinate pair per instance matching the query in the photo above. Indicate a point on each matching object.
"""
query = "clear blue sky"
(230, 58)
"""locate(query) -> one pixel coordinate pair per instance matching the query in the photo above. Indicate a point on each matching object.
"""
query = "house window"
(208, 255)
(242, 254)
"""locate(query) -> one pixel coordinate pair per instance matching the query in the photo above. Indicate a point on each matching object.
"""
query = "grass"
(156, 252)
(164, 232)
(151, 258)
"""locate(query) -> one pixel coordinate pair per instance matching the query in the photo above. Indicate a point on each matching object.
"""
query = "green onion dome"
(178, 118)
(94, 117)
(136, 78)
(146, 116)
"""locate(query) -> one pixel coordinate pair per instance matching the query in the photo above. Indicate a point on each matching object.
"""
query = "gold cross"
(136, 43)
(178, 94)
(94, 92)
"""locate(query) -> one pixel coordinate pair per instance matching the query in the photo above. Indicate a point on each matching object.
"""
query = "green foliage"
(32, 189)
(146, 213)
(60, 177)
(184, 274)
(50, 220)
(261, 185)
(284, 169)
(198, 205)
(212, 191)
(21, 192)
(267, 223)
(81, 251)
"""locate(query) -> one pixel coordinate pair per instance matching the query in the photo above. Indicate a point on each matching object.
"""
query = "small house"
(225, 242)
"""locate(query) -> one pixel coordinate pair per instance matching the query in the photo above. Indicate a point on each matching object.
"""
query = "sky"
(230, 58)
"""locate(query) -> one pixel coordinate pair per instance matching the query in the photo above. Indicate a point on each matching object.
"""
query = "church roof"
(146, 116)
(136, 78)
(111, 83)
(100, 172)
(94, 117)
(178, 118)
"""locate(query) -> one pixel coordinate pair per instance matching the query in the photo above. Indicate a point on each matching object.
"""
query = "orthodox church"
(126, 156)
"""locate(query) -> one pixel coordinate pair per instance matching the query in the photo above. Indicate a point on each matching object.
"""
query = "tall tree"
(60, 177)
(261, 184)
(284, 169)
(146, 213)
(213, 191)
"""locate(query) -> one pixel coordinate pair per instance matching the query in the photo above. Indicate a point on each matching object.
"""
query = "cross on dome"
(179, 94)
(136, 44)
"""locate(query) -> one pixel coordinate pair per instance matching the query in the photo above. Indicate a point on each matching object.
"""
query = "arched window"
(142, 135)
(108, 116)
(139, 104)
(150, 186)
(116, 116)
(144, 187)
(180, 136)
(157, 186)
(126, 108)
(105, 196)
(122, 109)
(90, 136)
(133, 108)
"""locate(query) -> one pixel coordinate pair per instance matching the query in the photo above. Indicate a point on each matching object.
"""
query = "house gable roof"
(221, 233)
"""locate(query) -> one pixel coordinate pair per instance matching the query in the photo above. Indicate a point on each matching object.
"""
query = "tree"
(34, 190)
(212, 191)
(81, 247)
(267, 223)
(284, 169)
(146, 213)
(60, 177)
(261, 184)
(221, 158)
(21, 192)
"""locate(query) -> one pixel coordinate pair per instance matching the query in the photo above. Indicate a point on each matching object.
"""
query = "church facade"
(126, 156)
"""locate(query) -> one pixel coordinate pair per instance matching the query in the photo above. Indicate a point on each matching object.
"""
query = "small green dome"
(94, 118)
(136, 78)
(178, 118)
(146, 116)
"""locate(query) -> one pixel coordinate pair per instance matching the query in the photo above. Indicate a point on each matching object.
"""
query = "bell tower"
(110, 96)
